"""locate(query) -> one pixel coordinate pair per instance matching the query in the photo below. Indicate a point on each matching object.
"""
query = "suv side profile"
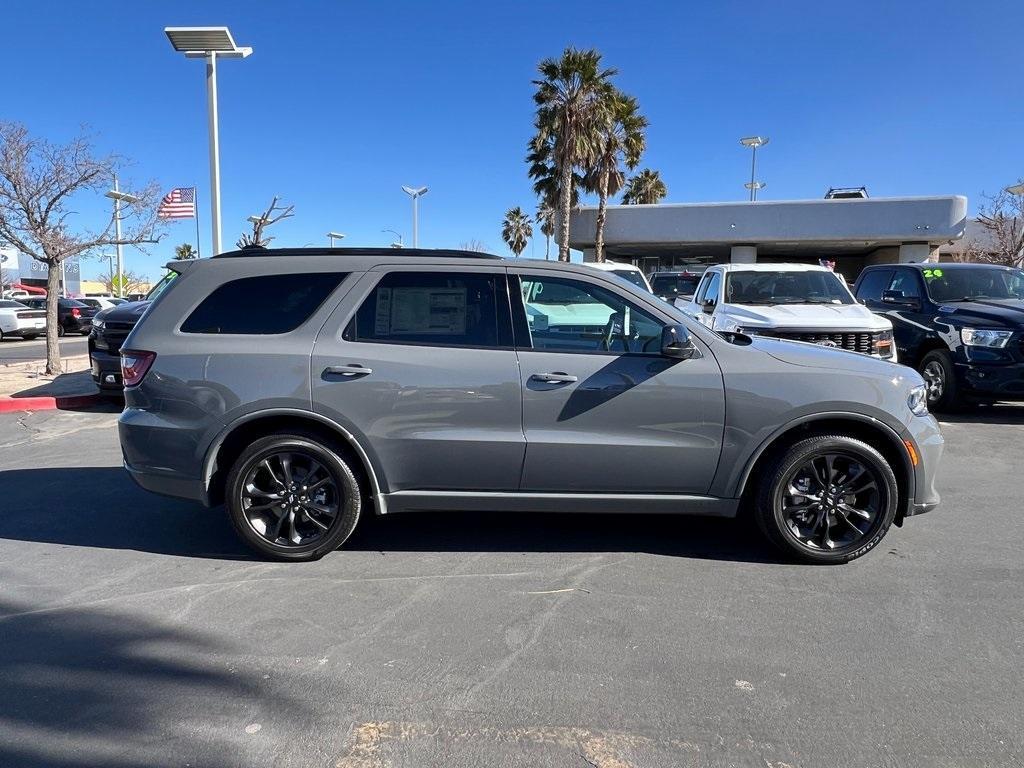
(302, 387)
(960, 325)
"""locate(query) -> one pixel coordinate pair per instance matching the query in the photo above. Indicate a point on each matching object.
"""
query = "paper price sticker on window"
(428, 311)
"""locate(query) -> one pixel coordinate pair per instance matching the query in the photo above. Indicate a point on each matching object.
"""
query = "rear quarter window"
(263, 305)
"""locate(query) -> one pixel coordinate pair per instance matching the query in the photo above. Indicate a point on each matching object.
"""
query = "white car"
(625, 271)
(19, 321)
(799, 302)
(102, 302)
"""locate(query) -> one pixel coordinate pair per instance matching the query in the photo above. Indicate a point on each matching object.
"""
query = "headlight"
(917, 400)
(883, 344)
(97, 323)
(984, 337)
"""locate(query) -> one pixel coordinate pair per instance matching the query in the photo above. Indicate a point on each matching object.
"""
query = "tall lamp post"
(210, 43)
(1017, 189)
(415, 194)
(754, 142)
(332, 236)
(119, 197)
(400, 243)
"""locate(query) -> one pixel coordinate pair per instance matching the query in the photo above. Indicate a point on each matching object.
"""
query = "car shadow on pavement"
(86, 685)
(102, 507)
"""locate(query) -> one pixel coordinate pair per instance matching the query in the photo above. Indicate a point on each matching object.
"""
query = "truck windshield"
(786, 287)
(632, 275)
(973, 283)
(674, 285)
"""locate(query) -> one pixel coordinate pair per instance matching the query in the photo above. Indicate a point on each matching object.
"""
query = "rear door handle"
(554, 378)
(348, 370)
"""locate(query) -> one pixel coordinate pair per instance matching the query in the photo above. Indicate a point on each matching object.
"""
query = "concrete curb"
(16, 404)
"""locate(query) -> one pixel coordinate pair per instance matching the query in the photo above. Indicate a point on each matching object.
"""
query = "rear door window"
(442, 309)
(263, 305)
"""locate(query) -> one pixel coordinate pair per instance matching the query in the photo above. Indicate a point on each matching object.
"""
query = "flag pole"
(195, 201)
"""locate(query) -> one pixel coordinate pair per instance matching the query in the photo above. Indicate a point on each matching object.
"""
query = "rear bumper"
(23, 330)
(168, 484)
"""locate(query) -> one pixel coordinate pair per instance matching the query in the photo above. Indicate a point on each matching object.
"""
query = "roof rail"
(443, 253)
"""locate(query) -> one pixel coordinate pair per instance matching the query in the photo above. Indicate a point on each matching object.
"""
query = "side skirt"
(491, 501)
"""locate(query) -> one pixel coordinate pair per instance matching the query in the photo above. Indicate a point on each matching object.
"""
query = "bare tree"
(273, 214)
(40, 185)
(1003, 219)
(130, 282)
(474, 245)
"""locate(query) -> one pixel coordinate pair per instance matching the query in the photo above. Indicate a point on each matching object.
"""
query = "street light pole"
(400, 243)
(754, 142)
(415, 194)
(209, 43)
(335, 236)
(118, 196)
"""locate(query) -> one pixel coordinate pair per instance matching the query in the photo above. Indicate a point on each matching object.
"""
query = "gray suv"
(303, 387)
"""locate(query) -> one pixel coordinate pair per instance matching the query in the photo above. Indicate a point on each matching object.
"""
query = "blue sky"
(344, 102)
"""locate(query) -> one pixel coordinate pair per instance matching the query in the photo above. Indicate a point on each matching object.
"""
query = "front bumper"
(999, 381)
(106, 369)
(926, 436)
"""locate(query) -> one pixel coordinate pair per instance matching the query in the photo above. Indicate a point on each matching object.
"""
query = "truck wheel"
(827, 499)
(936, 368)
(291, 497)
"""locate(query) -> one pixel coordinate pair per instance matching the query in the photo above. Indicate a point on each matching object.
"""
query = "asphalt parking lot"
(136, 631)
(20, 351)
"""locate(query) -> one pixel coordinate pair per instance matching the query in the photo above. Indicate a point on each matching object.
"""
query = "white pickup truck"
(799, 302)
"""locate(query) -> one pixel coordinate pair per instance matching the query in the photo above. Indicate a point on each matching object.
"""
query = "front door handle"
(348, 370)
(554, 378)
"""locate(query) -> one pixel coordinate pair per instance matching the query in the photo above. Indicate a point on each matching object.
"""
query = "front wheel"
(291, 497)
(936, 368)
(828, 499)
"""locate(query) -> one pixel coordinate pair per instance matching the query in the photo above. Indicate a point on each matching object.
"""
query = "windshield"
(786, 287)
(157, 289)
(632, 275)
(674, 285)
(971, 283)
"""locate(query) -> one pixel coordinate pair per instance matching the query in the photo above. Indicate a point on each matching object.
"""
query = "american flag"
(178, 204)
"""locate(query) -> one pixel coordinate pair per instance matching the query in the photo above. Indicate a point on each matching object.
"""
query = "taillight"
(76, 312)
(135, 365)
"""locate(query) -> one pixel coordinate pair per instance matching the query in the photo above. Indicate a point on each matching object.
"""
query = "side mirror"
(676, 342)
(708, 306)
(899, 299)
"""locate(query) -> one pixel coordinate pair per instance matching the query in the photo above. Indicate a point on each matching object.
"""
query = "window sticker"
(931, 274)
(428, 311)
(382, 319)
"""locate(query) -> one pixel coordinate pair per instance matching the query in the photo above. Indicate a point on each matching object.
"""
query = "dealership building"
(854, 232)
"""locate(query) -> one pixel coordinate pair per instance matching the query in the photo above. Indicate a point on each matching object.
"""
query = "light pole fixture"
(754, 142)
(119, 197)
(415, 194)
(1016, 189)
(400, 243)
(335, 236)
(254, 219)
(210, 43)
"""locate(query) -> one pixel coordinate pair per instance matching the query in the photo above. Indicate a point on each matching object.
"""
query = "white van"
(625, 271)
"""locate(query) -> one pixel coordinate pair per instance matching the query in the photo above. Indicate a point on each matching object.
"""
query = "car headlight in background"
(985, 337)
(97, 322)
(883, 344)
(917, 400)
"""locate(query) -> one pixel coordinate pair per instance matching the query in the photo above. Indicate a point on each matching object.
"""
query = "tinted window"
(262, 305)
(971, 283)
(445, 309)
(11, 305)
(574, 316)
(71, 303)
(672, 286)
(906, 281)
(631, 275)
(873, 283)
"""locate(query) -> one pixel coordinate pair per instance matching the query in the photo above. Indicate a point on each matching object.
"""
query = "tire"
(806, 529)
(303, 531)
(60, 330)
(940, 377)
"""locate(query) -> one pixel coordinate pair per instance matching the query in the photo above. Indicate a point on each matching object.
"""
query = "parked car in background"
(16, 294)
(960, 325)
(110, 327)
(675, 285)
(625, 271)
(797, 302)
(72, 315)
(103, 302)
(304, 387)
(18, 320)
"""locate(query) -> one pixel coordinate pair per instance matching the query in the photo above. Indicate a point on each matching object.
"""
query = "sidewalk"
(24, 386)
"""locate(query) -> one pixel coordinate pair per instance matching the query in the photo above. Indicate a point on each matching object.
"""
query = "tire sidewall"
(949, 389)
(348, 514)
(775, 525)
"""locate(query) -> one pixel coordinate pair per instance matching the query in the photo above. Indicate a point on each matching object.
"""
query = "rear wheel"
(291, 497)
(936, 368)
(828, 499)
(60, 330)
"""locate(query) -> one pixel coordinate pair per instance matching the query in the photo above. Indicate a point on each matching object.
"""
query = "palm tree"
(184, 252)
(545, 218)
(568, 99)
(620, 141)
(516, 230)
(645, 188)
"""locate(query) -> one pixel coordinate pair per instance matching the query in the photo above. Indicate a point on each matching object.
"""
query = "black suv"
(960, 325)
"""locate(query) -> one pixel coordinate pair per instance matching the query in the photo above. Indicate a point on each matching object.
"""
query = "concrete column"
(743, 254)
(914, 253)
(590, 255)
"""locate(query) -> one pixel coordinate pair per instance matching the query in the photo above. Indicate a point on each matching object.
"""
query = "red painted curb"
(13, 404)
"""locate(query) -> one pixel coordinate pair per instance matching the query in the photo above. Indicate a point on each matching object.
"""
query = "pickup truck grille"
(114, 334)
(863, 342)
